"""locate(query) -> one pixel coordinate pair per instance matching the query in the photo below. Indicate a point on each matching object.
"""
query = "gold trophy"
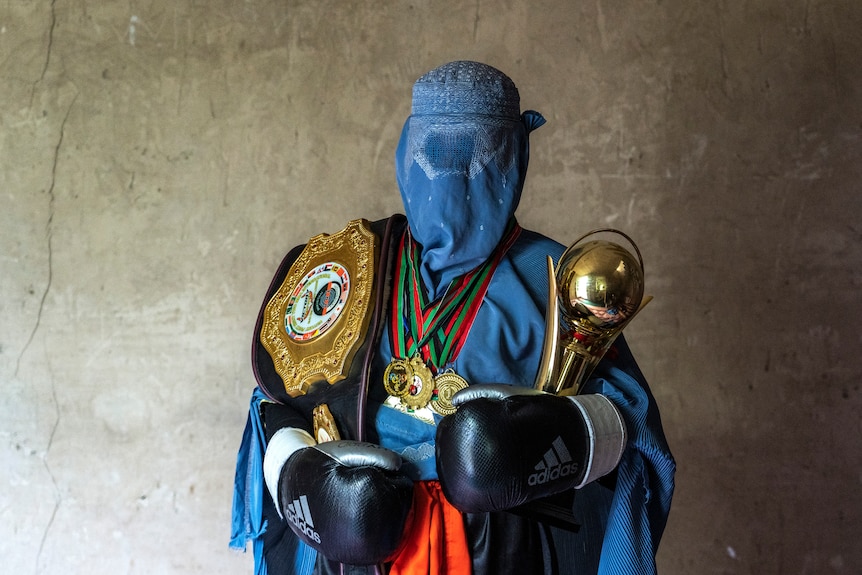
(594, 293)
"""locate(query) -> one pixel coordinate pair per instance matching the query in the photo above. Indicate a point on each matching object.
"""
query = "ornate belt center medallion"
(317, 302)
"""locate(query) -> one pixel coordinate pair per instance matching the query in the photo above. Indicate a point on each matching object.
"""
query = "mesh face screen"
(449, 151)
(450, 146)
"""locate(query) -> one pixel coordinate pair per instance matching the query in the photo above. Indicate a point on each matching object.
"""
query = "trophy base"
(555, 510)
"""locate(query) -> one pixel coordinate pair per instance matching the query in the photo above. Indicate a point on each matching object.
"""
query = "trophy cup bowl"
(594, 293)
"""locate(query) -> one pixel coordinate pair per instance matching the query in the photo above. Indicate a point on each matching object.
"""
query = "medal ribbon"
(438, 329)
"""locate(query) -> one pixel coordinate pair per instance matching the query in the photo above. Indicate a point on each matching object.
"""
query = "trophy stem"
(578, 362)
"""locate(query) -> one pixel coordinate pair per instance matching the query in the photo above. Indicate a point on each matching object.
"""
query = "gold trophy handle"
(552, 332)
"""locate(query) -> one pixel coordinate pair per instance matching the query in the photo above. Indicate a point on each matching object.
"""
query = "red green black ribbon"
(438, 329)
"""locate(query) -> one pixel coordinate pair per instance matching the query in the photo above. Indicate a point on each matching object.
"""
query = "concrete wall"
(158, 158)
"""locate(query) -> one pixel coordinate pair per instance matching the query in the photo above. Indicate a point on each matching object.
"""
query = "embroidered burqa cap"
(460, 165)
(466, 89)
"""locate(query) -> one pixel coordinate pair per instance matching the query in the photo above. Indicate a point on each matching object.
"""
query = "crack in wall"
(49, 230)
(50, 40)
(48, 51)
(58, 499)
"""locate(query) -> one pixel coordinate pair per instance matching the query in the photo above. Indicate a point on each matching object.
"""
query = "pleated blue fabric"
(247, 523)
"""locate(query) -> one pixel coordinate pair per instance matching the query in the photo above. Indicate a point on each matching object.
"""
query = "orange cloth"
(436, 543)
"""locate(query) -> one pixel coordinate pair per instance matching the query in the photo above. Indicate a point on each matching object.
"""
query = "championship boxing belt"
(319, 321)
(316, 320)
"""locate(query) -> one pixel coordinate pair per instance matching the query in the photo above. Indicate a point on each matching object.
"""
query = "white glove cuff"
(607, 432)
(281, 446)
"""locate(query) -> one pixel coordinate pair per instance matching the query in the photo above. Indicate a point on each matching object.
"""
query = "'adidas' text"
(556, 463)
(299, 514)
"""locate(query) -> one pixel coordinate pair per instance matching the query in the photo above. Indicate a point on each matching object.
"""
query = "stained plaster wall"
(158, 158)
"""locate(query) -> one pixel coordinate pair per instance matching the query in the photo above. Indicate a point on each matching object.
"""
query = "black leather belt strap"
(375, 328)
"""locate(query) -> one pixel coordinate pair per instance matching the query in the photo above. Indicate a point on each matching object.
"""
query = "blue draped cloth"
(247, 523)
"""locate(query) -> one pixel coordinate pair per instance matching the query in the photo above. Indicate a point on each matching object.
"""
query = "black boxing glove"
(347, 499)
(506, 446)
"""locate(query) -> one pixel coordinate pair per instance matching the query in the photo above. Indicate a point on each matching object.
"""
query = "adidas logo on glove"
(299, 514)
(556, 463)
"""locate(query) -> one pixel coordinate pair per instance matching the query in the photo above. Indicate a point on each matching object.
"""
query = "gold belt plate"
(316, 321)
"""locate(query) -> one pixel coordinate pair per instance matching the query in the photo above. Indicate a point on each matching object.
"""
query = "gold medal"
(421, 385)
(447, 384)
(398, 378)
